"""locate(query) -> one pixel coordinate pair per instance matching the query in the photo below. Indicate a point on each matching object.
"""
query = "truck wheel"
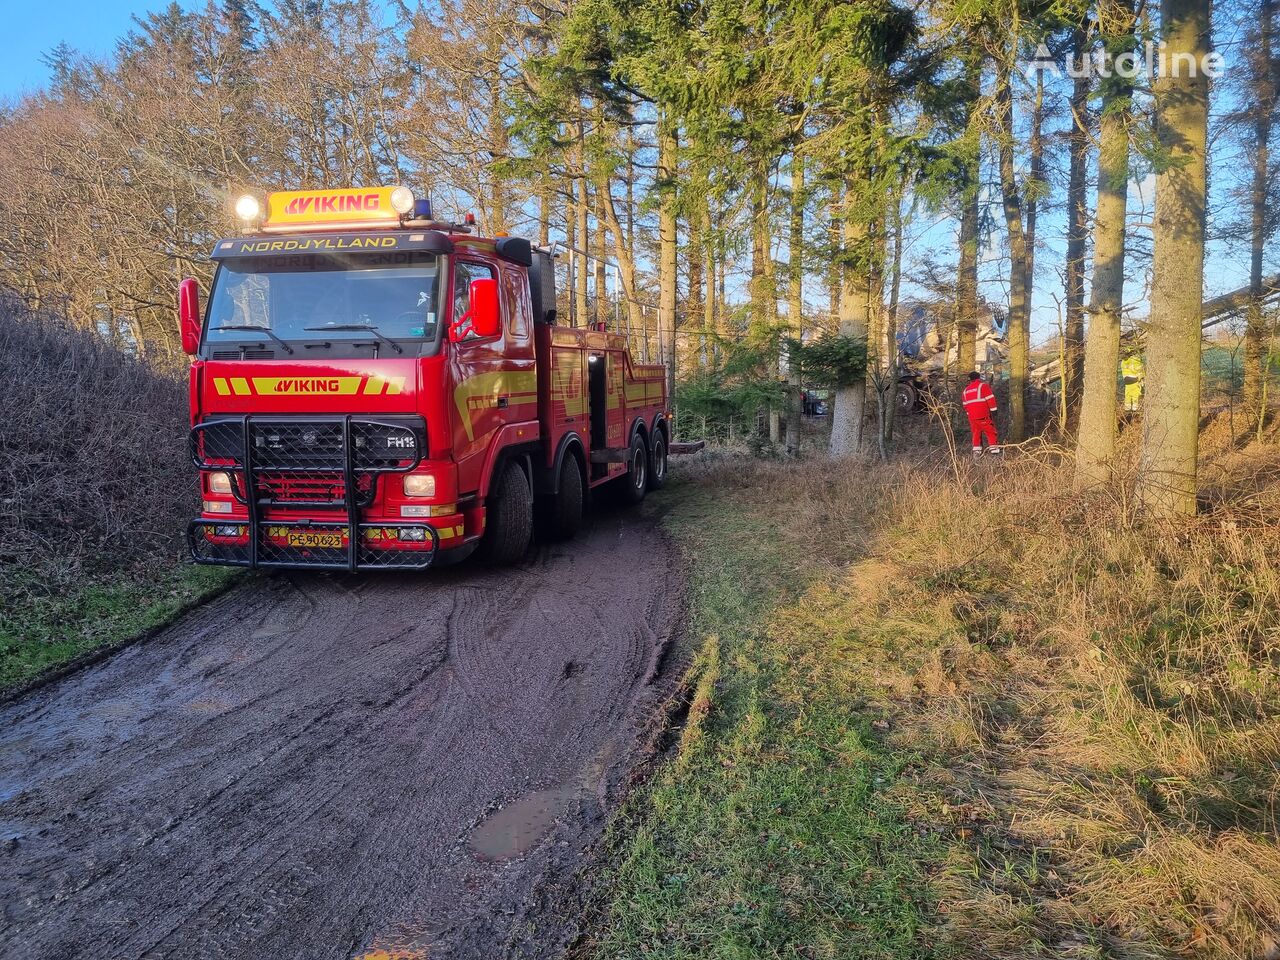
(635, 483)
(509, 519)
(658, 461)
(907, 397)
(560, 516)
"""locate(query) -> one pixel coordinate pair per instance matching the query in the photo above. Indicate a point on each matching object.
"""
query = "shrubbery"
(94, 475)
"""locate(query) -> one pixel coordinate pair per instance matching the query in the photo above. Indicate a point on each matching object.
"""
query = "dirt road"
(325, 767)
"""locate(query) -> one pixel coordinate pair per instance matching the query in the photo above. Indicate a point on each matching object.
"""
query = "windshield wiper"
(360, 326)
(250, 328)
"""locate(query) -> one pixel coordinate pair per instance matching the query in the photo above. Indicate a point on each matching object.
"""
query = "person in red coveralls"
(980, 406)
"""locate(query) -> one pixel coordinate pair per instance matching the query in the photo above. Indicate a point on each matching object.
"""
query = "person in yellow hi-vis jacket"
(1132, 372)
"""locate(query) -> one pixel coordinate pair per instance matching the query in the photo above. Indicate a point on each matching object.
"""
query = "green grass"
(41, 631)
(771, 833)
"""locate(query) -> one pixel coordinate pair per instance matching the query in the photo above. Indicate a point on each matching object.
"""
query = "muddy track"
(322, 767)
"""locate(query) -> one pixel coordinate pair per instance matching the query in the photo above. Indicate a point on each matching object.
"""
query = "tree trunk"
(626, 261)
(544, 213)
(795, 304)
(599, 281)
(571, 242)
(696, 350)
(833, 268)
(1096, 440)
(1034, 190)
(760, 287)
(631, 188)
(582, 264)
(1019, 307)
(1073, 327)
(891, 327)
(709, 298)
(1171, 407)
(668, 240)
(1035, 187)
(1264, 97)
(878, 244)
(855, 294)
(967, 282)
(966, 309)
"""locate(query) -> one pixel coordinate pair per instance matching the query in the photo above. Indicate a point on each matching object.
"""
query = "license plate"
(321, 541)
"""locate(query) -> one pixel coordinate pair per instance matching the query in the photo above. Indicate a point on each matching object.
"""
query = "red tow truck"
(371, 388)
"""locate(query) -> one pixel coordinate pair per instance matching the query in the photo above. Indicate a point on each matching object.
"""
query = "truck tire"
(634, 484)
(907, 397)
(560, 516)
(658, 461)
(509, 519)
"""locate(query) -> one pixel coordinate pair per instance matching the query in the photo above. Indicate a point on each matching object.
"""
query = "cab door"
(494, 378)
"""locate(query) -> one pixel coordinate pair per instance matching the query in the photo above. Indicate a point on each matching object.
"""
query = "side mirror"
(486, 318)
(189, 315)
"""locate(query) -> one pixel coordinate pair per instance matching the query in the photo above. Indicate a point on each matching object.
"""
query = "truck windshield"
(318, 299)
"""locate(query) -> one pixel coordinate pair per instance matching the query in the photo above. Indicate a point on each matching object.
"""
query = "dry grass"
(1096, 704)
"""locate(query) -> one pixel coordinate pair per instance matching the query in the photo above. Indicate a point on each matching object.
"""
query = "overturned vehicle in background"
(928, 348)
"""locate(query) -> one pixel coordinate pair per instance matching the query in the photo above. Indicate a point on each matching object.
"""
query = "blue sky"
(31, 31)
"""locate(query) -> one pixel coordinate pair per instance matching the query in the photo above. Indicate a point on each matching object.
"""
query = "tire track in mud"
(319, 767)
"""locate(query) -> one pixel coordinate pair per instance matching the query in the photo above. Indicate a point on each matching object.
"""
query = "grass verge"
(963, 715)
(41, 631)
(773, 831)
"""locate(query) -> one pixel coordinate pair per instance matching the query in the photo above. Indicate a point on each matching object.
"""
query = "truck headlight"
(402, 200)
(420, 485)
(220, 482)
(217, 506)
(248, 208)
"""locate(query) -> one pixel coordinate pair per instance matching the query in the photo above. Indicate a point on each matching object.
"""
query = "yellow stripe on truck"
(308, 386)
(484, 389)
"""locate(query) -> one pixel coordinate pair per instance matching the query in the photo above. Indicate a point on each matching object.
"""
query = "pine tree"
(1096, 440)
(1171, 414)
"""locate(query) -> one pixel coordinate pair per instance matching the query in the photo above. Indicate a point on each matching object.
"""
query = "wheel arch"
(570, 445)
(638, 426)
(662, 426)
(520, 453)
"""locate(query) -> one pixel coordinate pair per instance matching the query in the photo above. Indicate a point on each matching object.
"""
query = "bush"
(94, 474)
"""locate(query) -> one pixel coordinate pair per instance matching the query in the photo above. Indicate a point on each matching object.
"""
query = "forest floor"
(946, 709)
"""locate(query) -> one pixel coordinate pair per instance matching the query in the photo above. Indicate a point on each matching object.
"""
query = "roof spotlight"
(248, 208)
(402, 200)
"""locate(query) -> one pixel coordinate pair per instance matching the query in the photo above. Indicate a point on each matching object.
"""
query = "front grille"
(309, 445)
(322, 463)
(307, 489)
